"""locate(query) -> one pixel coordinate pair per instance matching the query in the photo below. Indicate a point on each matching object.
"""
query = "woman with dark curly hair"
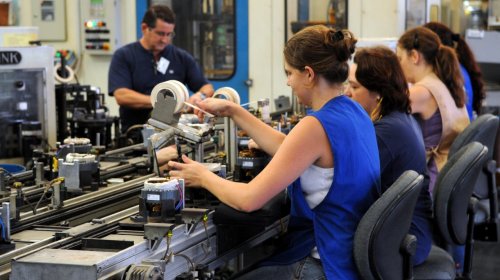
(377, 82)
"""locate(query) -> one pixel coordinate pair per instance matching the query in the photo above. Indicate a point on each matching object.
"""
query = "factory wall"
(93, 69)
(266, 42)
(266, 38)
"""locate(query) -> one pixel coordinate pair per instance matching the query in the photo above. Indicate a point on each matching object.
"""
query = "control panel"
(101, 26)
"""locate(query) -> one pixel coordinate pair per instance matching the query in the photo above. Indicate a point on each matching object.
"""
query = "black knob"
(19, 84)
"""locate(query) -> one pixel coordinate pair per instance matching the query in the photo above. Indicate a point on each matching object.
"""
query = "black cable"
(206, 247)
(168, 248)
(29, 204)
(50, 186)
(188, 260)
(38, 203)
(135, 126)
(76, 79)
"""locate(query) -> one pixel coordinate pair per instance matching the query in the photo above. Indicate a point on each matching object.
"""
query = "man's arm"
(195, 80)
(120, 81)
(205, 91)
(132, 99)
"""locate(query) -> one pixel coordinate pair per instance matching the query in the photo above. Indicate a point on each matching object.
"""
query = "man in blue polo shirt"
(137, 67)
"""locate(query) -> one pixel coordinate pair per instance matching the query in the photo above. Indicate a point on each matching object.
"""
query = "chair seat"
(439, 265)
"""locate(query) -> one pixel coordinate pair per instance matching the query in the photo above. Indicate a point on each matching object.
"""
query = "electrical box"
(101, 26)
(16, 36)
(50, 17)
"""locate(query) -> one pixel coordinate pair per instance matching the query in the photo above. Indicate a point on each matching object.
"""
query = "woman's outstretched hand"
(216, 106)
(253, 145)
(191, 171)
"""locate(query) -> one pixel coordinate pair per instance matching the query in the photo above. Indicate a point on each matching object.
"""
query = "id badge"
(162, 66)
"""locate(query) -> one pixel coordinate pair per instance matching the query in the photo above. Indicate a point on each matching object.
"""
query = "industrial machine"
(101, 213)
(161, 199)
(27, 113)
(175, 241)
(81, 112)
(80, 170)
(169, 100)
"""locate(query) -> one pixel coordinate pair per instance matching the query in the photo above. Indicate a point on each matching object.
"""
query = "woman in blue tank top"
(335, 147)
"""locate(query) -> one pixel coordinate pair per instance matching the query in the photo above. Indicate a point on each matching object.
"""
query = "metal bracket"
(164, 109)
(192, 216)
(155, 232)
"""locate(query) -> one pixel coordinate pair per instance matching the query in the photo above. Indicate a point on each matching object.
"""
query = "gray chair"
(382, 246)
(454, 209)
(483, 130)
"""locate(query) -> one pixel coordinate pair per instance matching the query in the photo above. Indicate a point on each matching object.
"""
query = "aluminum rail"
(72, 235)
(83, 203)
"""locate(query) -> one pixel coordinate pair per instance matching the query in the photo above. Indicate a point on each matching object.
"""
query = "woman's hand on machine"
(253, 145)
(191, 171)
(216, 106)
(166, 154)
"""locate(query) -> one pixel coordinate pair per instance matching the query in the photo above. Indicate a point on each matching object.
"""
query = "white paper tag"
(153, 197)
(474, 33)
(247, 164)
(162, 66)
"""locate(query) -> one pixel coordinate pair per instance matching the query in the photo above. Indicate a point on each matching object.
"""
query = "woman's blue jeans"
(308, 268)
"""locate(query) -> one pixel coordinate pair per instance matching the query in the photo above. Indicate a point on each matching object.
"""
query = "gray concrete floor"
(486, 261)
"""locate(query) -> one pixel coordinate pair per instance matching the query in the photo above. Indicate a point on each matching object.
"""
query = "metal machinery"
(79, 170)
(144, 227)
(37, 205)
(212, 141)
(161, 199)
(27, 112)
(69, 186)
(250, 162)
(81, 112)
(169, 99)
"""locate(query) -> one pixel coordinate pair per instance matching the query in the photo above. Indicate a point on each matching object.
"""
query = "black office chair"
(483, 130)
(382, 246)
(454, 209)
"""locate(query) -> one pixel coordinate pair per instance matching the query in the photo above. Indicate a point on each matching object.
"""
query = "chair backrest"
(482, 130)
(453, 190)
(383, 228)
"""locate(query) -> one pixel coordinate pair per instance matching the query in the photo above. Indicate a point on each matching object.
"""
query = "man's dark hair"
(158, 12)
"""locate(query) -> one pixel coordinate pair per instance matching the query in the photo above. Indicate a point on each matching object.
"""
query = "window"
(206, 30)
